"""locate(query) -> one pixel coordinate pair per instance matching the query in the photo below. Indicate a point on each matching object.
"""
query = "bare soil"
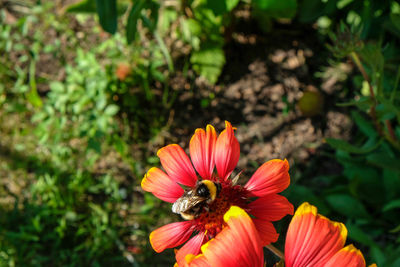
(262, 82)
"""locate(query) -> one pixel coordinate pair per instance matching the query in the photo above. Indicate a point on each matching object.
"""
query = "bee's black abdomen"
(203, 191)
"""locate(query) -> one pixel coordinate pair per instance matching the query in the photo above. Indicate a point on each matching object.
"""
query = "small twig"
(391, 137)
(390, 130)
(276, 251)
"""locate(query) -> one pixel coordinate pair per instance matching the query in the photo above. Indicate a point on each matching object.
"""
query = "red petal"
(170, 235)
(200, 262)
(202, 149)
(312, 239)
(236, 245)
(163, 187)
(266, 230)
(227, 152)
(177, 164)
(272, 177)
(192, 247)
(195, 261)
(347, 256)
(270, 208)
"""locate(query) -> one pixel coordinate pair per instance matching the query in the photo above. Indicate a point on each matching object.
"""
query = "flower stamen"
(212, 218)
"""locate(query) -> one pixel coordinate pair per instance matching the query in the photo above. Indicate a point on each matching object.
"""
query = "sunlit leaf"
(208, 62)
(111, 110)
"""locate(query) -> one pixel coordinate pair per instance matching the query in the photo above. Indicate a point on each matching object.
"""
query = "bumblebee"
(192, 202)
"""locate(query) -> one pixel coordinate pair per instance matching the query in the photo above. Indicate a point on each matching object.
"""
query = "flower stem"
(357, 61)
(372, 112)
(276, 251)
(391, 137)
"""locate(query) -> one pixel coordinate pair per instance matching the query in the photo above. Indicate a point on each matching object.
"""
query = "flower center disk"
(212, 219)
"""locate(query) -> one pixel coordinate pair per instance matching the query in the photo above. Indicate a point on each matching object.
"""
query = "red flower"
(208, 151)
(314, 240)
(219, 251)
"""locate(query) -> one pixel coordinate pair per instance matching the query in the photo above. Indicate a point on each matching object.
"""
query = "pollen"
(212, 218)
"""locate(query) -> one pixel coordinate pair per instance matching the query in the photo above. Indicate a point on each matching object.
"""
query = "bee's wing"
(186, 202)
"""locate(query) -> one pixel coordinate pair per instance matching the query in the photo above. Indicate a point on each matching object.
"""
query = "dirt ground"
(262, 82)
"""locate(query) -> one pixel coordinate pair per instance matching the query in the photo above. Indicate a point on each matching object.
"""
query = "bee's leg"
(187, 216)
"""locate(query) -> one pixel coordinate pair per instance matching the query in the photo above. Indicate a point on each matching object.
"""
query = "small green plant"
(77, 109)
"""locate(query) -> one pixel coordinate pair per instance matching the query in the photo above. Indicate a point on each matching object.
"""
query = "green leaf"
(391, 182)
(120, 145)
(94, 143)
(208, 62)
(32, 96)
(222, 6)
(111, 110)
(347, 206)
(366, 183)
(359, 235)
(377, 255)
(396, 229)
(277, 8)
(169, 17)
(343, 3)
(345, 146)
(231, 4)
(364, 103)
(384, 161)
(310, 10)
(394, 204)
(386, 111)
(299, 194)
(85, 6)
(395, 18)
(107, 11)
(364, 125)
(133, 18)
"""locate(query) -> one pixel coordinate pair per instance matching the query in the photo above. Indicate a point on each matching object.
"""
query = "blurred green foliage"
(204, 25)
(106, 96)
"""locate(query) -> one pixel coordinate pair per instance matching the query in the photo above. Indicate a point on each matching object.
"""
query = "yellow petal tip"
(306, 208)
(235, 212)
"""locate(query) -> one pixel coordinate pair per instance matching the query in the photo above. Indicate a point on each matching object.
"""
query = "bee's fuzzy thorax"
(212, 187)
